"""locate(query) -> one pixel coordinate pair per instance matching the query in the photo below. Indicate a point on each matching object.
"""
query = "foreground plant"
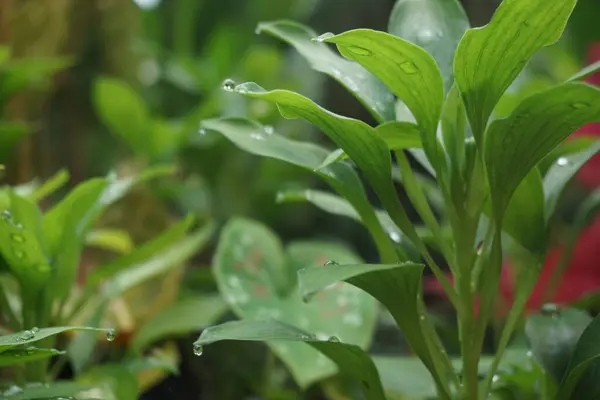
(448, 80)
(42, 294)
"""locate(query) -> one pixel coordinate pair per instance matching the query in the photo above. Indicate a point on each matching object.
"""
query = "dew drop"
(408, 67)
(562, 162)
(20, 254)
(329, 263)
(35, 329)
(529, 353)
(6, 215)
(257, 136)
(198, 349)
(479, 248)
(228, 85)
(17, 238)
(579, 106)
(323, 37)
(361, 51)
(550, 310)
(202, 131)
(495, 378)
(111, 335)
(26, 335)
(269, 130)
(422, 317)
(333, 339)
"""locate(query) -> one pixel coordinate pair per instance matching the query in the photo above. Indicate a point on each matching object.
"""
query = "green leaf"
(46, 391)
(562, 171)
(8, 342)
(257, 279)
(158, 264)
(115, 240)
(488, 59)
(115, 380)
(585, 72)
(253, 138)
(367, 89)
(351, 359)
(524, 216)
(454, 128)
(30, 73)
(582, 371)
(143, 252)
(123, 111)
(553, 334)
(18, 355)
(81, 347)
(10, 133)
(408, 70)
(514, 145)
(397, 287)
(22, 245)
(49, 187)
(435, 25)
(183, 317)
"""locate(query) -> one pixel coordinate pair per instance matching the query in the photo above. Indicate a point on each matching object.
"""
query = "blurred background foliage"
(100, 85)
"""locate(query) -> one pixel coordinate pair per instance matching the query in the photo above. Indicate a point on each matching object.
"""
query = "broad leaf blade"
(408, 70)
(435, 25)
(351, 359)
(372, 93)
(514, 145)
(183, 317)
(488, 59)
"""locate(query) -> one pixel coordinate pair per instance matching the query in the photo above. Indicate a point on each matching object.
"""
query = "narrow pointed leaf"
(181, 318)
(397, 287)
(252, 137)
(367, 89)
(49, 187)
(488, 59)
(585, 72)
(54, 390)
(561, 173)
(408, 70)
(30, 336)
(435, 25)
(351, 360)
(514, 145)
(18, 355)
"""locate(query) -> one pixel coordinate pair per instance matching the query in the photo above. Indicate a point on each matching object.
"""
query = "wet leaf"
(19, 355)
(30, 336)
(351, 359)
(367, 89)
(257, 279)
(488, 59)
(45, 391)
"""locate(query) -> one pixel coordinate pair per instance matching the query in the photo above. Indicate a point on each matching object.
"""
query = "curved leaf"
(18, 355)
(514, 145)
(367, 89)
(409, 71)
(30, 336)
(488, 59)
(46, 391)
(435, 25)
(351, 360)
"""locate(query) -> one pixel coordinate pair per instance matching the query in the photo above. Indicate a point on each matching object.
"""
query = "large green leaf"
(158, 264)
(257, 280)
(22, 243)
(581, 376)
(183, 317)
(409, 71)
(357, 139)
(253, 138)
(562, 171)
(351, 359)
(553, 334)
(488, 59)
(514, 145)
(13, 340)
(19, 355)
(124, 113)
(397, 287)
(370, 91)
(435, 25)
(54, 390)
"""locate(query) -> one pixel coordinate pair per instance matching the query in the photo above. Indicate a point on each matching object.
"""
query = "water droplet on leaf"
(17, 238)
(198, 349)
(19, 253)
(35, 329)
(111, 335)
(329, 263)
(550, 310)
(562, 162)
(26, 335)
(269, 130)
(333, 339)
(579, 105)
(6, 215)
(228, 85)
(202, 131)
(323, 37)
(408, 67)
(361, 51)
(257, 136)
(495, 378)
(479, 248)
